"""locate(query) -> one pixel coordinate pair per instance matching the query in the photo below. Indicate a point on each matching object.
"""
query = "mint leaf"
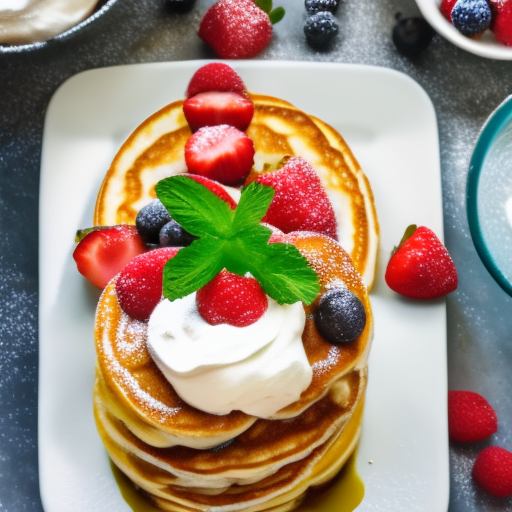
(253, 205)
(276, 15)
(196, 208)
(192, 268)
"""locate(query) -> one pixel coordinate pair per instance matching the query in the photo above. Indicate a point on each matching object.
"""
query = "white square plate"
(390, 124)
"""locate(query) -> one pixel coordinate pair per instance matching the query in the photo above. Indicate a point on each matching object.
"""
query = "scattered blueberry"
(412, 35)
(173, 235)
(340, 316)
(320, 28)
(179, 5)
(150, 219)
(313, 6)
(471, 17)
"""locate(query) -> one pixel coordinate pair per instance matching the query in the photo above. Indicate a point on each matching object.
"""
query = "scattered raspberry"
(213, 108)
(231, 299)
(139, 285)
(236, 29)
(470, 417)
(446, 8)
(300, 202)
(421, 267)
(501, 23)
(493, 471)
(222, 153)
(216, 76)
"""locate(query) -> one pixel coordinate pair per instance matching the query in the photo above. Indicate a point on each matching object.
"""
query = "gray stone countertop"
(464, 89)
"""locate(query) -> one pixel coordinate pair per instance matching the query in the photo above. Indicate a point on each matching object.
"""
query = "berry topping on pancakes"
(222, 153)
(103, 252)
(139, 284)
(216, 76)
(300, 202)
(231, 299)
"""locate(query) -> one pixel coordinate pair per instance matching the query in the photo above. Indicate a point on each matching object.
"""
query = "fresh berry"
(150, 219)
(470, 417)
(231, 299)
(501, 23)
(214, 187)
(300, 202)
(236, 29)
(214, 108)
(215, 76)
(180, 6)
(173, 235)
(446, 8)
(222, 153)
(471, 17)
(340, 316)
(421, 267)
(313, 6)
(139, 284)
(102, 253)
(320, 28)
(412, 36)
(493, 471)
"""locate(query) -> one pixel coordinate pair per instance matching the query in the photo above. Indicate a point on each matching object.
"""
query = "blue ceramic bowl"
(489, 195)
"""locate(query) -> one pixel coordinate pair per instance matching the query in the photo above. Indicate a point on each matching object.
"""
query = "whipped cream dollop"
(257, 369)
(28, 21)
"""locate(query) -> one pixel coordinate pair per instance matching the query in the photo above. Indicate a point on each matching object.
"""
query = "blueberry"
(313, 6)
(412, 35)
(340, 316)
(179, 5)
(150, 219)
(173, 235)
(320, 28)
(471, 17)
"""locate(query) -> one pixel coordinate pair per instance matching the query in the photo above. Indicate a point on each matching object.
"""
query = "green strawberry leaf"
(276, 15)
(264, 5)
(407, 234)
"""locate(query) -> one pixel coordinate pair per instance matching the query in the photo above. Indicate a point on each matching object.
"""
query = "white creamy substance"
(258, 369)
(28, 21)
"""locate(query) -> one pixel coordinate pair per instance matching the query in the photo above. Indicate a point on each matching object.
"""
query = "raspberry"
(231, 299)
(446, 8)
(493, 471)
(470, 417)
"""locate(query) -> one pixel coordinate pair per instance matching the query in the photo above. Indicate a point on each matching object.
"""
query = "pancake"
(155, 151)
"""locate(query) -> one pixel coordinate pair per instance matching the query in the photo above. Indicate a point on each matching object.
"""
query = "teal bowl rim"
(496, 121)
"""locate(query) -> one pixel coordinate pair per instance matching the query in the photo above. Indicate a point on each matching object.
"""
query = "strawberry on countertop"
(421, 267)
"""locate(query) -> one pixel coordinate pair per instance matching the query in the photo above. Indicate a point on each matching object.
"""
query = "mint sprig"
(231, 239)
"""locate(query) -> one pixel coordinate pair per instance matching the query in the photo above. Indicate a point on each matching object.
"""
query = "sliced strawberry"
(236, 29)
(139, 285)
(216, 76)
(300, 202)
(421, 268)
(214, 187)
(231, 299)
(470, 417)
(493, 471)
(222, 153)
(213, 108)
(102, 253)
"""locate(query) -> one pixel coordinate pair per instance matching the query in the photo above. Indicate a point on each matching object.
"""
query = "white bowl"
(486, 46)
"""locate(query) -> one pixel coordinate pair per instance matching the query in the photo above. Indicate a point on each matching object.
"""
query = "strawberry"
(470, 417)
(139, 285)
(216, 76)
(231, 299)
(493, 471)
(501, 22)
(214, 187)
(213, 108)
(236, 29)
(446, 8)
(222, 153)
(103, 252)
(300, 202)
(421, 267)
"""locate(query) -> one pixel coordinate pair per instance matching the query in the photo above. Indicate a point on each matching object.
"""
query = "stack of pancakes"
(186, 459)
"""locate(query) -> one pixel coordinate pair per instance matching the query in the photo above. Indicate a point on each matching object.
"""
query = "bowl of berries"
(489, 195)
(482, 27)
